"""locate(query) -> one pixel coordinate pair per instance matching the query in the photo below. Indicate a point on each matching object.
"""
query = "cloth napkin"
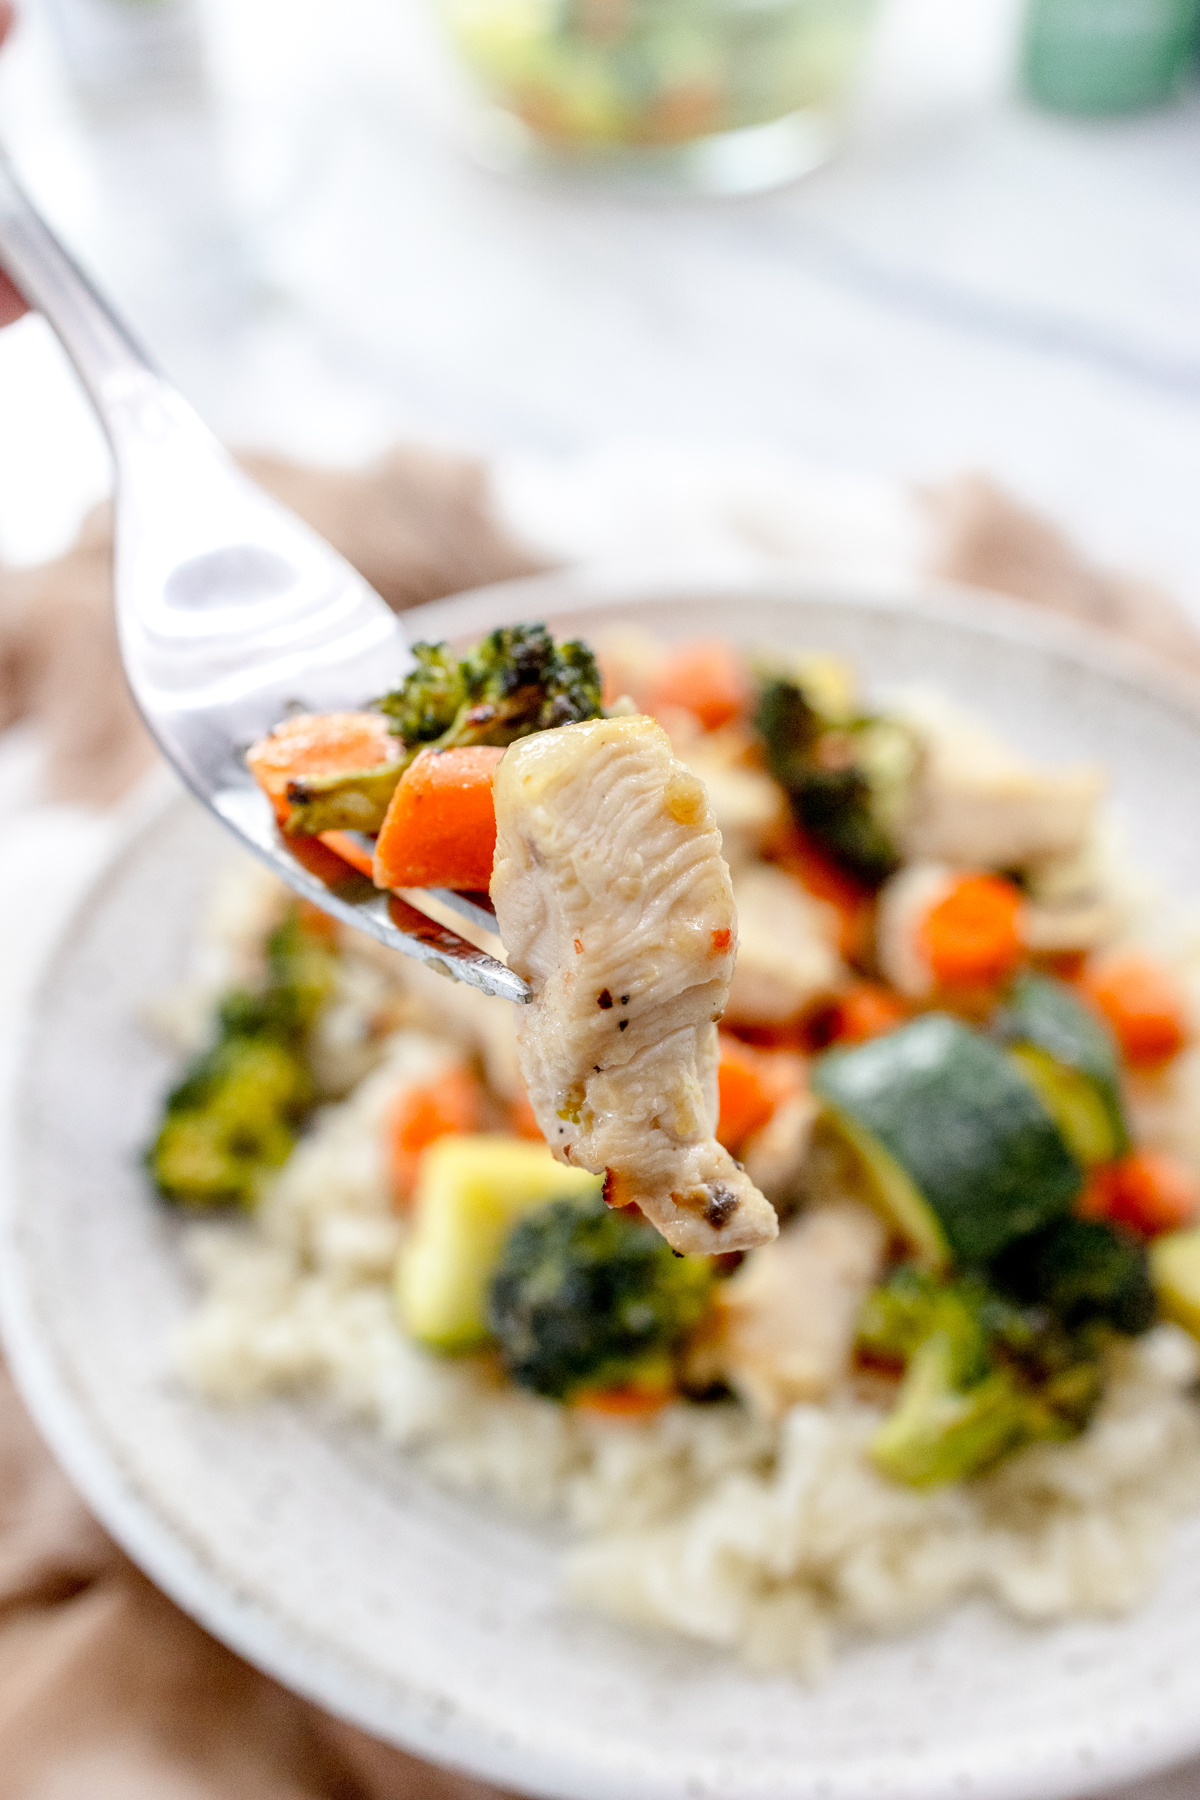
(107, 1690)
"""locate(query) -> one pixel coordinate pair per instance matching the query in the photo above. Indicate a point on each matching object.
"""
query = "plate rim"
(474, 1747)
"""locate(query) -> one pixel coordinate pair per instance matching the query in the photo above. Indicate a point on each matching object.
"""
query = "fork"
(231, 612)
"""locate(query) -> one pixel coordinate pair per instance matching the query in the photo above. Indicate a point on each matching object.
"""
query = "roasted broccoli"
(1084, 1271)
(235, 1114)
(846, 779)
(588, 1297)
(983, 1376)
(517, 681)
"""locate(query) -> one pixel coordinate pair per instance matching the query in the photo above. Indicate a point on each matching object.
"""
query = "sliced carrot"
(1147, 1190)
(318, 744)
(823, 879)
(347, 846)
(631, 1402)
(707, 678)
(866, 1010)
(422, 1114)
(972, 936)
(320, 860)
(1143, 1003)
(440, 829)
(521, 1120)
(751, 1084)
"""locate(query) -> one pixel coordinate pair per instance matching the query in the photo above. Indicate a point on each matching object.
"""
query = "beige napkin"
(107, 1690)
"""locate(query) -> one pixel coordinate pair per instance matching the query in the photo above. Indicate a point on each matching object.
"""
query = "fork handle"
(108, 360)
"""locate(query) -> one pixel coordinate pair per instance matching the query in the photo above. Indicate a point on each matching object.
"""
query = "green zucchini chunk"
(1071, 1058)
(958, 1151)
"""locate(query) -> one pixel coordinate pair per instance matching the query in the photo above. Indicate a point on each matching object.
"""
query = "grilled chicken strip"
(614, 903)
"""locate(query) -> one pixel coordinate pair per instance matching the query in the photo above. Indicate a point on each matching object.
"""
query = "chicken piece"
(979, 806)
(614, 904)
(787, 1319)
(904, 901)
(786, 955)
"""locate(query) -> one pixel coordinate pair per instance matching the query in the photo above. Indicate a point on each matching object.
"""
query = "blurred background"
(330, 243)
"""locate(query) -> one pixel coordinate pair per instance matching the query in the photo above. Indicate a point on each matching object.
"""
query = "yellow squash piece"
(1175, 1272)
(470, 1193)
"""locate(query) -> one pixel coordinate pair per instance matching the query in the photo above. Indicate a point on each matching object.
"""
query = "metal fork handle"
(107, 359)
(139, 411)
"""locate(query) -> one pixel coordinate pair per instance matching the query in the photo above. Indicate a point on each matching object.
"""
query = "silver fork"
(231, 613)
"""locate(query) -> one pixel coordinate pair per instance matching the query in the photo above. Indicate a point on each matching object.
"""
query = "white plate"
(436, 1622)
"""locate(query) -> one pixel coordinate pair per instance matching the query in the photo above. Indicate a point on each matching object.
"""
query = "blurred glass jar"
(714, 95)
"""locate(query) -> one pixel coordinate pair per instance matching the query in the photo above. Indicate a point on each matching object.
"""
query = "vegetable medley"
(934, 1062)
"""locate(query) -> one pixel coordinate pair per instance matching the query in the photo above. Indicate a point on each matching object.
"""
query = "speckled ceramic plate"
(437, 1622)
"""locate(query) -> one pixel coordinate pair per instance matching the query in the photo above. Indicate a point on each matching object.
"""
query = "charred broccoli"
(587, 1297)
(1084, 1271)
(517, 681)
(844, 777)
(983, 1376)
(235, 1114)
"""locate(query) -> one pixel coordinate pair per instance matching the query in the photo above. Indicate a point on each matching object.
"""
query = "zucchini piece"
(470, 1193)
(1071, 1058)
(357, 801)
(958, 1152)
(1175, 1272)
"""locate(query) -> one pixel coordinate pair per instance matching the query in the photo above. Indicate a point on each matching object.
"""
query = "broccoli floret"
(236, 1113)
(1084, 1271)
(588, 1297)
(846, 779)
(518, 680)
(983, 1376)
(429, 700)
(232, 1118)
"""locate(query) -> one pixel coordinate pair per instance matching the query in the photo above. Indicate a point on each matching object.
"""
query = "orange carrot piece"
(422, 1114)
(1146, 1190)
(521, 1120)
(751, 1084)
(631, 1402)
(866, 1010)
(972, 937)
(318, 744)
(1142, 1002)
(707, 678)
(440, 829)
(347, 846)
(320, 860)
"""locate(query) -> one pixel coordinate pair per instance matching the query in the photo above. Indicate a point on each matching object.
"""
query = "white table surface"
(313, 259)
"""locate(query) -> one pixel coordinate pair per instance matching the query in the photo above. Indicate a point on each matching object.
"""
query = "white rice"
(774, 1541)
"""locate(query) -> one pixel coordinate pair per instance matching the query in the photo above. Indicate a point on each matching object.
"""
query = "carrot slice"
(866, 1010)
(318, 744)
(706, 678)
(751, 1084)
(347, 846)
(1142, 1002)
(1147, 1190)
(972, 936)
(440, 829)
(624, 1402)
(422, 1114)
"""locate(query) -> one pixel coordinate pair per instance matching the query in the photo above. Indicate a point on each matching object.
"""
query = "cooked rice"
(777, 1542)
